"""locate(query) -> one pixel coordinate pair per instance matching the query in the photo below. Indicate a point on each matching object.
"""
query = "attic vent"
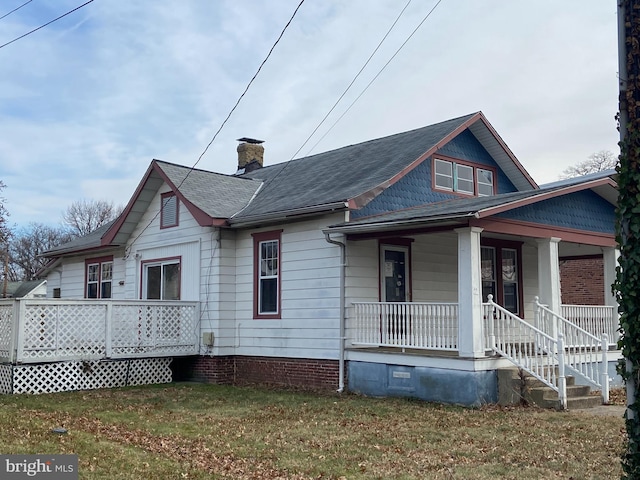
(250, 154)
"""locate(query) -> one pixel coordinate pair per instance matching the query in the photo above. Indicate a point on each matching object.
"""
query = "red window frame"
(97, 261)
(163, 203)
(258, 239)
(161, 262)
(457, 161)
(498, 246)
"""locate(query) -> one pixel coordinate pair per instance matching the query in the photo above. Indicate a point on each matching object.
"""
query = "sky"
(89, 101)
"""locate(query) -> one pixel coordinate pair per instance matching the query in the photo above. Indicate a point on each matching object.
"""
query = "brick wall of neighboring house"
(244, 370)
(582, 281)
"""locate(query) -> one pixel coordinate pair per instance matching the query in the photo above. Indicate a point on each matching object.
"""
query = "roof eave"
(285, 215)
(545, 195)
(398, 224)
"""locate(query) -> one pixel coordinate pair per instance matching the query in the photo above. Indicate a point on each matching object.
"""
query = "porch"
(430, 326)
(575, 343)
(53, 345)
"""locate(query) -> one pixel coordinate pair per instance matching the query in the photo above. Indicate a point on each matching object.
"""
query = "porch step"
(515, 387)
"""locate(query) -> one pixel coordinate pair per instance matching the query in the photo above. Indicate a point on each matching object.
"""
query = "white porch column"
(610, 256)
(549, 273)
(470, 341)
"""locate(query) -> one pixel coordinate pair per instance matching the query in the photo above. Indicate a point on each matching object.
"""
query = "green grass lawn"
(198, 431)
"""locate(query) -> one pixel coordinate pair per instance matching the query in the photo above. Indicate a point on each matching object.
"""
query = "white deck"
(52, 330)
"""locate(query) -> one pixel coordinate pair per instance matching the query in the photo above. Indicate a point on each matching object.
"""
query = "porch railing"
(527, 347)
(46, 330)
(430, 326)
(595, 319)
(585, 353)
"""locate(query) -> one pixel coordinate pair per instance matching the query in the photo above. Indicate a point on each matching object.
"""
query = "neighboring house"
(368, 267)
(27, 289)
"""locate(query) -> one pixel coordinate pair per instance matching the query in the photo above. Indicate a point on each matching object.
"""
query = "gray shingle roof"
(91, 240)
(448, 208)
(26, 287)
(218, 195)
(344, 173)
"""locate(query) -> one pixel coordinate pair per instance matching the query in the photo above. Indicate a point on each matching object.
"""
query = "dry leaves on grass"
(193, 452)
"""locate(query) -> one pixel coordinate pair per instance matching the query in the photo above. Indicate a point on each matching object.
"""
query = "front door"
(394, 285)
(394, 289)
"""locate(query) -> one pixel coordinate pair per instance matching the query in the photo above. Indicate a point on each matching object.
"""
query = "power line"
(374, 78)
(365, 89)
(354, 79)
(48, 23)
(248, 85)
(228, 116)
(15, 9)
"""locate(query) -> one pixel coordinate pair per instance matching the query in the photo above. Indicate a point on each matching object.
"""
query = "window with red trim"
(501, 264)
(169, 210)
(98, 277)
(161, 279)
(266, 277)
(462, 177)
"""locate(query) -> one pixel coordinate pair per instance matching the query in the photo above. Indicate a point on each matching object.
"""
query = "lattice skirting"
(83, 375)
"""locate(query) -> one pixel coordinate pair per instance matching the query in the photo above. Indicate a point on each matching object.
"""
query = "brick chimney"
(250, 154)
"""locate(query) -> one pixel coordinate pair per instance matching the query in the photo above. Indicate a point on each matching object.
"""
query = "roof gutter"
(253, 220)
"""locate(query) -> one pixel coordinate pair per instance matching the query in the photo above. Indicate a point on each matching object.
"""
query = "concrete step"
(515, 387)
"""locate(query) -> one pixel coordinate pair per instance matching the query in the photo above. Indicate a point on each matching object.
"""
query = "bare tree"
(4, 229)
(84, 216)
(597, 162)
(26, 244)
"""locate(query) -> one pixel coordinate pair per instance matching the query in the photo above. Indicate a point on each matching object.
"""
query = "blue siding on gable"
(584, 210)
(416, 188)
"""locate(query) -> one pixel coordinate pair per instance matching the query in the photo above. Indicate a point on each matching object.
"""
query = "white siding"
(310, 282)
(434, 269)
(69, 276)
(434, 263)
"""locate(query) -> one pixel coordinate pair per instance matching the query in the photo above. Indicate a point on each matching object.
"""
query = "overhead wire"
(354, 78)
(424, 19)
(48, 23)
(374, 78)
(15, 9)
(228, 115)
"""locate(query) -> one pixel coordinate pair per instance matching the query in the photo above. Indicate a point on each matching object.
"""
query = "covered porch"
(464, 302)
(51, 345)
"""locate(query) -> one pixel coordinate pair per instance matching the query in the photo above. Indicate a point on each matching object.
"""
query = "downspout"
(343, 264)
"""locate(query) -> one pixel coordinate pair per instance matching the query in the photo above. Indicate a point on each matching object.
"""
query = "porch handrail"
(595, 319)
(586, 354)
(527, 347)
(415, 325)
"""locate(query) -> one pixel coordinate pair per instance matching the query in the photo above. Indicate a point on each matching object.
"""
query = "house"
(418, 264)
(26, 289)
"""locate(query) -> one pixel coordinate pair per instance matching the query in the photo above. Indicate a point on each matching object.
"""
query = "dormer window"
(463, 178)
(169, 210)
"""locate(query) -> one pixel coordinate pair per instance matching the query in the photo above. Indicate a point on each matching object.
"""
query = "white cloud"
(91, 99)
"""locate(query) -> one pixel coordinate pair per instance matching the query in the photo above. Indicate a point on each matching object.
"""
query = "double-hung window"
(161, 279)
(99, 277)
(463, 178)
(267, 262)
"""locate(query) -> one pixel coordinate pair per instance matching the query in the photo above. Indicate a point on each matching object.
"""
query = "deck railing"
(429, 326)
(47, 330)
(595, 319)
